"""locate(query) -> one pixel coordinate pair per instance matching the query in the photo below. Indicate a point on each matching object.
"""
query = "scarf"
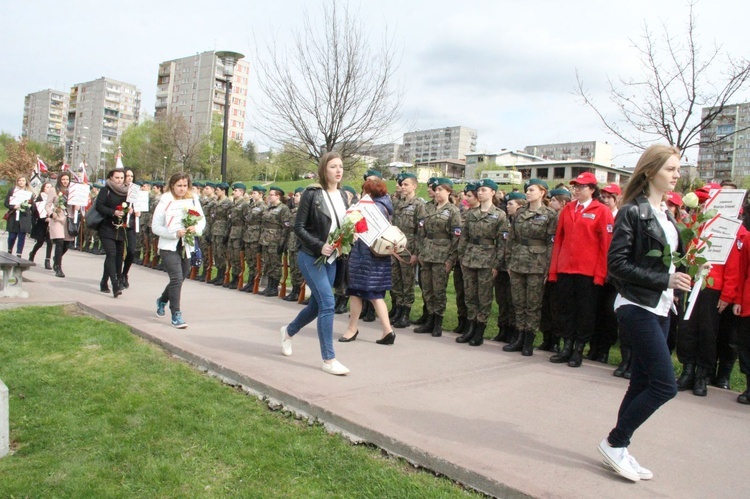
(120, 190)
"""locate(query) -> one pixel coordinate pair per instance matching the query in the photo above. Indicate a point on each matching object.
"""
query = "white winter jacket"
(167, 221)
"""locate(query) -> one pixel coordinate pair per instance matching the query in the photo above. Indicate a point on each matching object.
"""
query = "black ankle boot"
(502, 333)
(32, 255)
(58, 271)
(700, 386)
(564, 354)
(219, 281)
(47, 265)
(294, 295)
(403, 320)
(104, 286)
(528, 343)
(576, 358)
(232, 284)
(437, 329)
(422, 319)
(124, 284)
(744, 397)
(428, 325)
(687, 378)
(478, 336)
(272, 289)
(462, 323)
(723, 374)
(343, 305)
(394, 313)
(370, 316)
(627, 355)
(516, 344)
(468, 333)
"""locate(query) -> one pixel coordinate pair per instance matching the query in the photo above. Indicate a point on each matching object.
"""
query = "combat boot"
(428, 325)
(272, 289)
(576, 358)
(744, 397)
(593, 352)
(564, 354)
(249, 285)
(528, 343)
(437, 330)
(700, 386)
(232, 282)
(687, 378)
(403, 320)
(723, 374)
(462, 323)
(219, 279)
(370, 316)
(547, 344)
(627, 355)
(365, 308)
(294, 295)
(478, 337)
(342, 306)
(517, 344)
(502, 333)
(468, 333)
(423, 318)
(394, 313)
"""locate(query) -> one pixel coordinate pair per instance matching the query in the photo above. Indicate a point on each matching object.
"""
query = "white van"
(503, 176)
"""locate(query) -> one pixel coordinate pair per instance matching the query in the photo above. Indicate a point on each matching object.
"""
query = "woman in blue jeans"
(321, 211)
(645, 296)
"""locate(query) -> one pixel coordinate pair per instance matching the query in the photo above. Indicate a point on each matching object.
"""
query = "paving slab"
(501, 423)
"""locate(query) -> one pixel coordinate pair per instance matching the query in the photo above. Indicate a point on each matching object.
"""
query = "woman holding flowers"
(60, 211)
(646, 284)
(111, 203)
(369, 276)
(320, 215)
(178, 218)
(19, 216)
(40, 229)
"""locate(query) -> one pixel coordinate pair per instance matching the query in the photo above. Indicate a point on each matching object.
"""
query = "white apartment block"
(195, 88)
(593, 151)
(439, 143)
(725, 144)
(99, 112)
(44, 116)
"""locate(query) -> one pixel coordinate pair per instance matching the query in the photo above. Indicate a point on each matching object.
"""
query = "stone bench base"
(12, 282)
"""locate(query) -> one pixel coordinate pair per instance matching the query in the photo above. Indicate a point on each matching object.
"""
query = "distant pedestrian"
(109, 203)
(18, 216)
(40, 226)
(60, 212)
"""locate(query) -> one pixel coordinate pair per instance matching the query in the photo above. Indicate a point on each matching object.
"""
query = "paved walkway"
(498, 422)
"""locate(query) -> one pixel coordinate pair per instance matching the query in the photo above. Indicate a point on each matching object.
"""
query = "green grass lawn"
(97, 412)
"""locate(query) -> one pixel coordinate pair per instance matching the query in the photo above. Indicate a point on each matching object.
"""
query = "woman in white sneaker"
(646, 293)
(174, 250)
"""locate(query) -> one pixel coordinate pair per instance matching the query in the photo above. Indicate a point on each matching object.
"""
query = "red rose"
(361, 226)
(193, 213)
(118, 208)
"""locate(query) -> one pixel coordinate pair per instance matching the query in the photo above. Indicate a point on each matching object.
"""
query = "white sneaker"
(619, 460)
(643, 473)
(286, 343)
(335, 367)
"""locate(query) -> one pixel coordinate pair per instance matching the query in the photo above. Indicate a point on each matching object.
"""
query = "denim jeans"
(12, 241)
(652, 382)
(177, 268)
(320, 279)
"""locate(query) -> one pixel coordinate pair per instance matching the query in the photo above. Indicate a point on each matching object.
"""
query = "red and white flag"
(64, 167)
(83, 177)
(41, 167)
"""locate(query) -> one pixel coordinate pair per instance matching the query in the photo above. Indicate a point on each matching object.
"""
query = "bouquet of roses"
(62, 202)
(343, 237)
(25, 206)
(190, 218)
(124, 208)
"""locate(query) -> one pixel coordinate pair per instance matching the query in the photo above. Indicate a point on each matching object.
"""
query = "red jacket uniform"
(742, 288)
(582, 241)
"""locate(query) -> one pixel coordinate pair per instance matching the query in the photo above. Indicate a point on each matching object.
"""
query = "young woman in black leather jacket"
(645, 296)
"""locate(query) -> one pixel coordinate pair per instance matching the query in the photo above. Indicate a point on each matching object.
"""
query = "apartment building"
(194, 87)
(439, 143)
(724, 151)
(45, 114)
(592, 151)
(99, 112)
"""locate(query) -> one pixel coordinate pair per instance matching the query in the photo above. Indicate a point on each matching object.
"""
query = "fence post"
(4, 420)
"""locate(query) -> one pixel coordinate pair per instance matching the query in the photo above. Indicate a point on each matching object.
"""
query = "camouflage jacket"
(220, 218)
(439, 233)
(252, 212)
(291, 239)
(482, 244)
(530, 240)
(236, 219)
(208, 212)
(406, 217)
(276, 225)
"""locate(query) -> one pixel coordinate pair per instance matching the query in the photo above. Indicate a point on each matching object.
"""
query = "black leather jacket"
(639, 278)
(313, 220)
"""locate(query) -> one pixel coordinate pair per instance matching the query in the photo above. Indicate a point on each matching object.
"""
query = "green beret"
(160, 183)
(515, 195)
(138, 183)
(211, 185)
(536, 181)
(471, 187)
(147, 182)
(198, 183)
(443, 181)
(487, 182)
(239, 185)
(400, 178)
(277, 189)
(559, 192)
(259, 188)
(349, 188)
(223, 185)
(406, 175)
(299, 189)
(372, 173)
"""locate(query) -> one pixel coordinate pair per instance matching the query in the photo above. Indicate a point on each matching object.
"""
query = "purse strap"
(335, 214)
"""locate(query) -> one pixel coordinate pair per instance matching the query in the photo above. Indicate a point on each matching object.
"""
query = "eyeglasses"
(579, 186)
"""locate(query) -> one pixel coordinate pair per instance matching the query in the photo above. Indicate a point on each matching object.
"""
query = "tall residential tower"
(44, 116)
(439, 143)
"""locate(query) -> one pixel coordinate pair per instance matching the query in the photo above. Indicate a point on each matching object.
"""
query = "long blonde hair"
(648, 165)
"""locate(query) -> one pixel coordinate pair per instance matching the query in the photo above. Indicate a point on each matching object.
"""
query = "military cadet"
(506, 315)
(431, 183)
(236, 228)
(402, 272)
(145, 227)
(253, 215)
(529, 249)
(470, 194)
(220, 232)
(481, 248)
(370, 174)
(396, 199)
(437, 251)
(208, 201)
(291, 244)
(154, 198)
(276, 226)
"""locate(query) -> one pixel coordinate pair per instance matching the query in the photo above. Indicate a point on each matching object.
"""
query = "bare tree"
(333, 90)
(678, 79)
(186, 143)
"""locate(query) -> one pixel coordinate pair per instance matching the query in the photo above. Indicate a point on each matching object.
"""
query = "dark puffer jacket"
(368, 272)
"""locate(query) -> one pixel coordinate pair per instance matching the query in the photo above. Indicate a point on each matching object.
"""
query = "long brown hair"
(176, 178)
(648, 165)
(324, 160)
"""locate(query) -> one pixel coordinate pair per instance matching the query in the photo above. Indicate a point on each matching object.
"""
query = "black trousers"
(113, 260)
(743, 344)
(696, 337)
(61, 247)
(577, 297)
(129, 251)
(40, 242)
(726, 339)
(605, 332)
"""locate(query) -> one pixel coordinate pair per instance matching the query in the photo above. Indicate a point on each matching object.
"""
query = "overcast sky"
(504, 67)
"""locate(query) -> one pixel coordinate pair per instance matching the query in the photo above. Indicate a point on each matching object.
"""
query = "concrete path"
(501, 423)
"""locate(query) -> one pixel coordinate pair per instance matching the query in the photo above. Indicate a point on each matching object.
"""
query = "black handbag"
(93, 219)
(73, 226)
(342, 271)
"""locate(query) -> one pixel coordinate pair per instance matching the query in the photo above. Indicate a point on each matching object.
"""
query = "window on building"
(559, 172)
(542, 172)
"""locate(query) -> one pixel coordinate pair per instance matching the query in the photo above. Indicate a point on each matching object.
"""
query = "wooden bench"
(13, 268)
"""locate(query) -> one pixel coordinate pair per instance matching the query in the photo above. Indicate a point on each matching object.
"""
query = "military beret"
(239, 185)
(372, 173)
(211, 185)
(487, 182)
(277, 189)
(138, 183)
(349, 188)
(222, 185)
(400, 178)
(299, 189)
(471, 187)
(198, 183)
(443, 181)
(147, 182)
(536, 181)
(259, 188)
(559, 192)
(160, 183)
(515, 195)
(406, 175)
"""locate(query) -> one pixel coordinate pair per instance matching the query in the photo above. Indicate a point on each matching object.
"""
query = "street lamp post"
(228, 59)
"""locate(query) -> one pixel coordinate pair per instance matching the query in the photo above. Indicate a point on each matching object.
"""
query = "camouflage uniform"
(530, 240)
(252, 213)
(153, 201)
(220, 232)
(291, 245)
(276, 224)
(506, 314)
(439, 232)
(405, 217)
(144, 236)
(208, 204)
(236, 229)
(481, 250)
